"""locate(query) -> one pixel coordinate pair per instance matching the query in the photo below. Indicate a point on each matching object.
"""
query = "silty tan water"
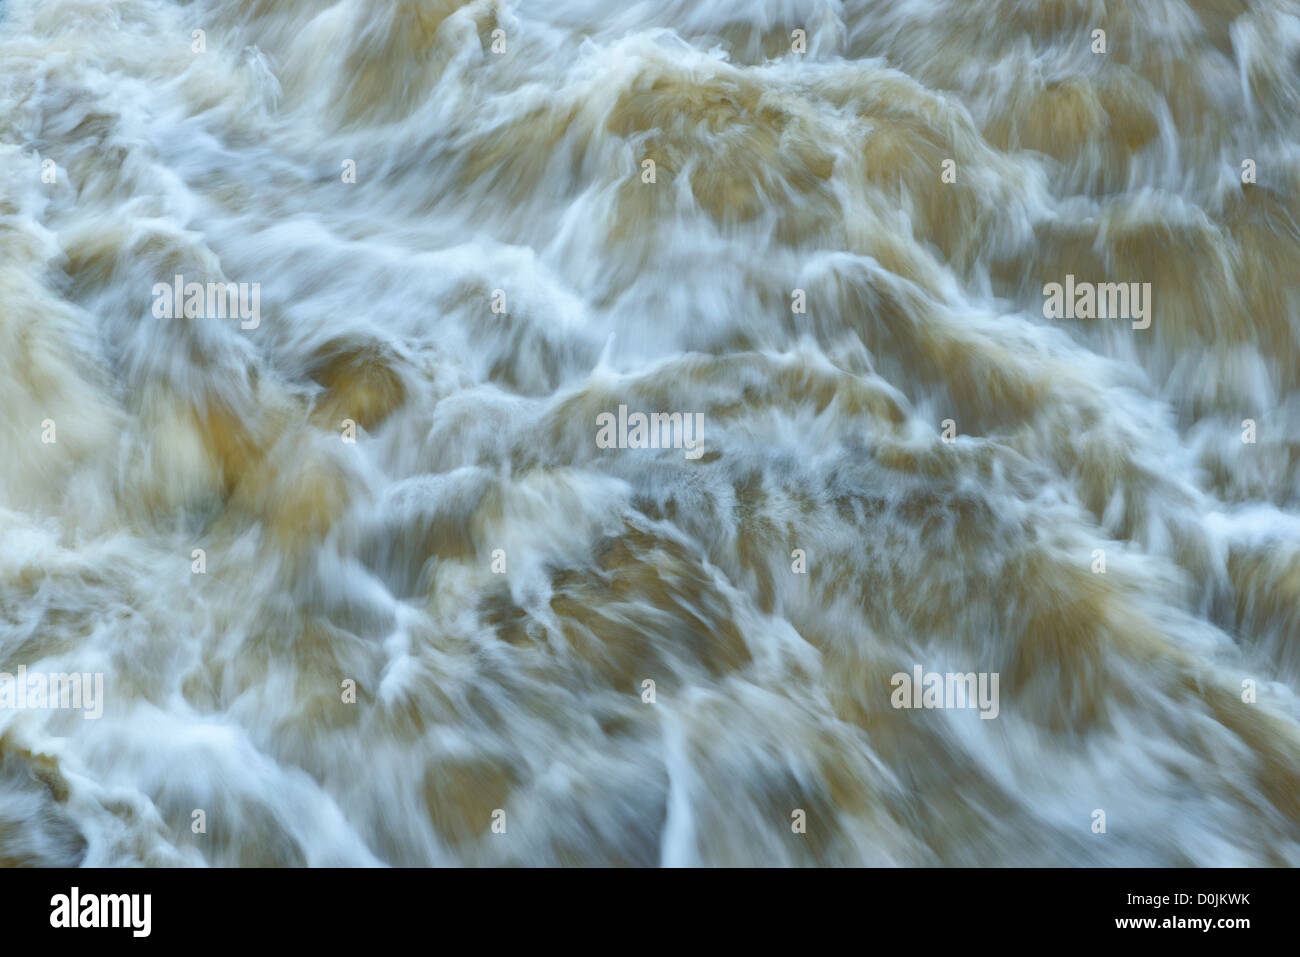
(373, 562)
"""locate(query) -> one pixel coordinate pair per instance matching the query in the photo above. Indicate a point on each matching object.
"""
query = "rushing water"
(385, 472)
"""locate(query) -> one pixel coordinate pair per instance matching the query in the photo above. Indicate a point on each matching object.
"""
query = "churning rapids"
(366, 580)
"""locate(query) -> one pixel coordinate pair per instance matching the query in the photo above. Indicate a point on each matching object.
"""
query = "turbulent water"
(367, 577)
